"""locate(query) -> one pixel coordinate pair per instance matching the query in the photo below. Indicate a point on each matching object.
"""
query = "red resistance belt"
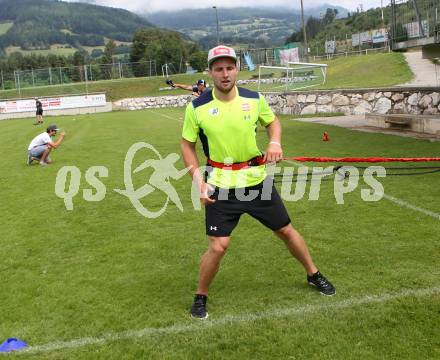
(256, 161)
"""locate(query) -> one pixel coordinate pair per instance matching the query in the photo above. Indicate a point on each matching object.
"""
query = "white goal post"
(310, 65)
(295, 75)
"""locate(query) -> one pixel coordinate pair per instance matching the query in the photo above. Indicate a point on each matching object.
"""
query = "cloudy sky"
(157, 5)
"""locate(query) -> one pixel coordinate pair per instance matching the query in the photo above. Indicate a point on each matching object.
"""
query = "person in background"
(196, 89)
(41, 146)
(39, 112)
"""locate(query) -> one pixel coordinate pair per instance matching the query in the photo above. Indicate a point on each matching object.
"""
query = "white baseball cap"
(220, 52)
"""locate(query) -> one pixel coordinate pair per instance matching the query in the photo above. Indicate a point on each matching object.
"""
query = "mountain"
(255, 27)
(33, 24)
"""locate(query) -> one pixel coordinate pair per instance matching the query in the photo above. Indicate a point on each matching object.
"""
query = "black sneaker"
(324, 286)
(198, 308)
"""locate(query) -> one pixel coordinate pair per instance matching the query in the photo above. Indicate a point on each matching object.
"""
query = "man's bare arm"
(274, 151)
(184, 86)
(192, 163)
(58, 142)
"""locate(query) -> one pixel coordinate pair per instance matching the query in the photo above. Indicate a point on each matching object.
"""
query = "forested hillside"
(32, 24)
(331, 27)
(240, 26)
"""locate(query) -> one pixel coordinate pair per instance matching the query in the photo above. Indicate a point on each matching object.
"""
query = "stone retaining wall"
(396, 100)
(359, 102)
(152, 102)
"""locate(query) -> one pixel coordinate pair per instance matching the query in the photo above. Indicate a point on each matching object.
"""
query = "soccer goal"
(294, 76)
(168, 69)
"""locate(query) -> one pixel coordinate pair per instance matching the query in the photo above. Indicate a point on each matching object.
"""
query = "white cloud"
(159, 5)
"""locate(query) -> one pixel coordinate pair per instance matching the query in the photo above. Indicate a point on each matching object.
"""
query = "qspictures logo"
(163, 172)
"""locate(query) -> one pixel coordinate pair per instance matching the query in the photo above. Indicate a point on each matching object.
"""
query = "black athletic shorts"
(222, 216)
(39, 112)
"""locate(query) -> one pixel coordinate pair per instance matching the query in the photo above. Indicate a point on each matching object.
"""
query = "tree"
(15, 60)
(52, 60)
(107, 70)
(314, 26)
(329, 16)
(109, 52)
(79, 58)
(159, 45)
(96, 53)
(198, 60)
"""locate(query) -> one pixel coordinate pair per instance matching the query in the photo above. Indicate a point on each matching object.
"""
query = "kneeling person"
(41, 146)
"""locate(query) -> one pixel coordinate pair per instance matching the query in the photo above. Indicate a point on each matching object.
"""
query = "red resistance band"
(259, 160)
(364, 160)
(256, 161)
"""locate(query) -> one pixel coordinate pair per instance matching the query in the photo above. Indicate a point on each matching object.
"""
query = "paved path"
(425, 72)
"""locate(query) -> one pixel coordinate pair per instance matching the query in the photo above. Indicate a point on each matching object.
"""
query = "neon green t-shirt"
(227, 131)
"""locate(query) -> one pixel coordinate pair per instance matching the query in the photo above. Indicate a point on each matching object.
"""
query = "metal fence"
(268, 57)
(415, 19)
(23, 79)
(351, 53)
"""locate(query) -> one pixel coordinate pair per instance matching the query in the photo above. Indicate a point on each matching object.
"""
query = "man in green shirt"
(225, 119)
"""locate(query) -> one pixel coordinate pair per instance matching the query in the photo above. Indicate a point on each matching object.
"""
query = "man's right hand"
(63, 134)
(205, 189)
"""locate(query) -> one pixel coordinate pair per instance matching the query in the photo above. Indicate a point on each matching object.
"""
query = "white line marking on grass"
(167, 116)
(411, 206)
(394, 200)
(229, 320)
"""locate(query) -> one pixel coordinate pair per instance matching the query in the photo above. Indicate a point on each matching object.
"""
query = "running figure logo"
(164, 169)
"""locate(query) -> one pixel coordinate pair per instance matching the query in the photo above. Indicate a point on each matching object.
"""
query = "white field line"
(411, 206)
(167, 116)
(394, 200)
(230, 320)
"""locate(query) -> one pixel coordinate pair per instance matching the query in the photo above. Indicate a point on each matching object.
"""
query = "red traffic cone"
(325, 136)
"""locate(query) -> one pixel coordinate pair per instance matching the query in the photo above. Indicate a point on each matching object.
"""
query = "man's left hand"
(274, 153)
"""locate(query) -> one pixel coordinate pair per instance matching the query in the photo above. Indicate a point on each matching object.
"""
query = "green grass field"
(5, 26)
(54, 49)
(103, 282)
(375, 70)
